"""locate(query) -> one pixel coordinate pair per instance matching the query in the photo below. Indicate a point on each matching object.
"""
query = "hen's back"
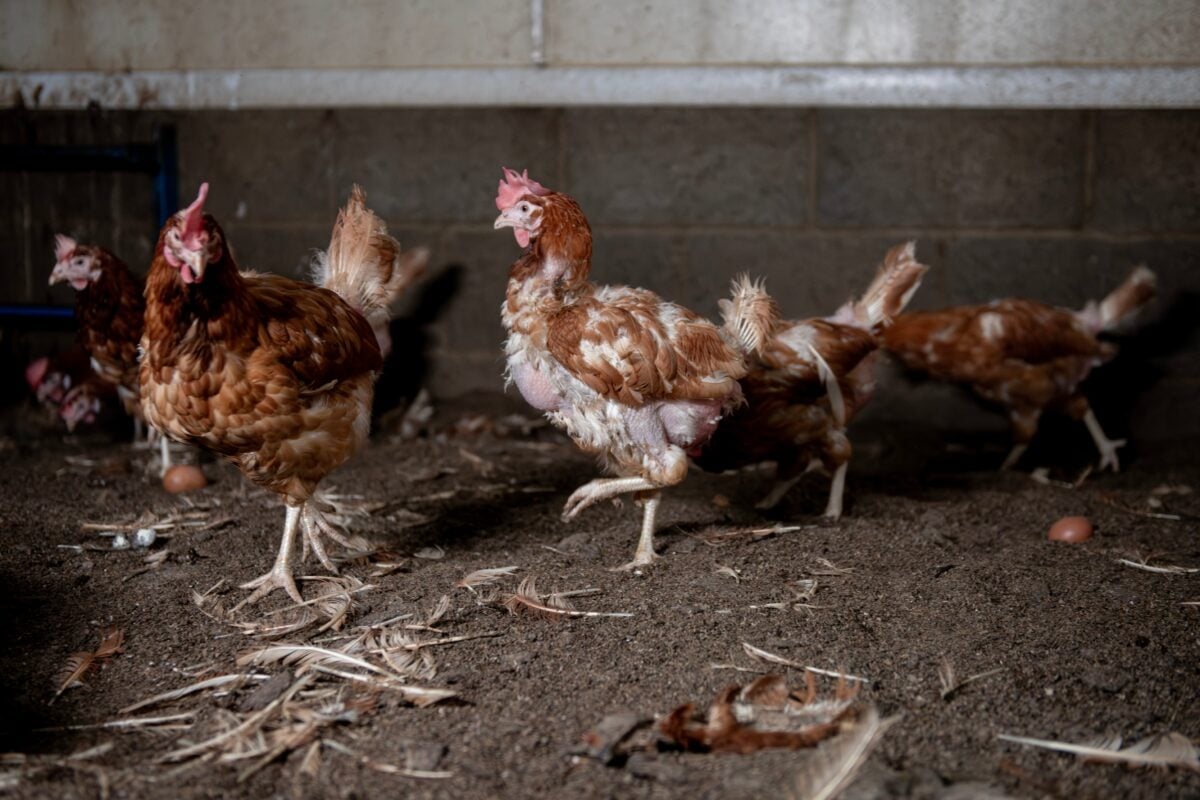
(958, 343)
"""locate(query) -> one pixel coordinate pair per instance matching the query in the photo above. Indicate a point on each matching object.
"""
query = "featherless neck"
(560, 257)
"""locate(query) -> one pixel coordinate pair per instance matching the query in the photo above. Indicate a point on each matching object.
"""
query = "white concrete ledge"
(928, 87)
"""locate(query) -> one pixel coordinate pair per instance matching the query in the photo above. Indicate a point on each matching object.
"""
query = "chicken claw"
(601, 489)
(280, 576)
(1107, 447)
(316, 524)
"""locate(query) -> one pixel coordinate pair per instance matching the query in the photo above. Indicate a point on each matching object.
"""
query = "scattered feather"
(527, 599)
(390, 769)
(837, 763)
(85, 661)
(175, 694)
(716, 537)
(730, 571)
(828, 568)
(483, 577)
(950, 683)
(1168, 569)
(771, 658)
(1165, 750)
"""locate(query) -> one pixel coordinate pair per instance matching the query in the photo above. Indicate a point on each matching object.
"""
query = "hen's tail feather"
(1124, 301)
(749, 315)
(365, 266)
(898, 278)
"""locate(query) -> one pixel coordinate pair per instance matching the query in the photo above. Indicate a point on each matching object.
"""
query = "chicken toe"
(280, 576)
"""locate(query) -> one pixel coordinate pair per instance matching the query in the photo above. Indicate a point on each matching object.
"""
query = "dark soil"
(945, 558)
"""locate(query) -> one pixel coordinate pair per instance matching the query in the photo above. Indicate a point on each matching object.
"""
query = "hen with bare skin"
(806, 384)
(630, 377)
(1022, 355)
(275, 375)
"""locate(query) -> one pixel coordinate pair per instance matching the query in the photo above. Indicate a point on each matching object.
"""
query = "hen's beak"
(504, 221)
(60, 273)
(194, 264)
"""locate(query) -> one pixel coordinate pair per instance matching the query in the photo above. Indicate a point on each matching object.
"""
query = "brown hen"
(1022, 355)
(275, 375)
(635, 379)
(809, 380)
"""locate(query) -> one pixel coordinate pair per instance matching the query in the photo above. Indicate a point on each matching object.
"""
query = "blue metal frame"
(159, 159)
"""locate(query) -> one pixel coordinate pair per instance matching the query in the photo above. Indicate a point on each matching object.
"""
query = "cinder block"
(809, 275)
(1063, 270)
(688, 166)
(647, 260)
(873, 31)
(466, 287)
(112, 35)
(261, 166)
(441, 165)
(950, 169)
(284, 250)
(1147, 171)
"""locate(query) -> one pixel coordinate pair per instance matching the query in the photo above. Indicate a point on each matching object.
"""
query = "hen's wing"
(312, 332)
(629, 345)
(789, 354)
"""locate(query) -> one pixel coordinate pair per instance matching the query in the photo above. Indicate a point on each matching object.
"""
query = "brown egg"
(1071, 529)
(184, 478)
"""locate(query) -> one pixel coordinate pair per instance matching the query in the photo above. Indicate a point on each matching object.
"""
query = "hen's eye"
(525, 207)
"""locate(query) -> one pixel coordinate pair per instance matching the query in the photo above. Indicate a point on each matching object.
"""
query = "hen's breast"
(537, 387)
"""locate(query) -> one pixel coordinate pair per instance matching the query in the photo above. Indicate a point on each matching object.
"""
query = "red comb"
(36, 371)
(63, 246)
(193, 220)
(515, 186)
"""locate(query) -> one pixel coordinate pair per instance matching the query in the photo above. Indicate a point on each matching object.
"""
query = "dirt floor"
(940, 560)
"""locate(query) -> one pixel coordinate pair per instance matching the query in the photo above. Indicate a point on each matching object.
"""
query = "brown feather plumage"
(794, 415)
(1022, 355)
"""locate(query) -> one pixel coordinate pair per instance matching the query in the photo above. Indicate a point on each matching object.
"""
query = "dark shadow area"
(407, 367)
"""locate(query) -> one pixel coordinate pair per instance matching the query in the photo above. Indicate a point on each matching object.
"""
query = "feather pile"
(766, 714)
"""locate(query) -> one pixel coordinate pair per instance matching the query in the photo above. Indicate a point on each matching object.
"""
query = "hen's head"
(78, 264)
(522, 204)
(192, 240)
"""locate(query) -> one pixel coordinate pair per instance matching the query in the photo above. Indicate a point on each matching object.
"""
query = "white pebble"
(120, 542)
(144, 537)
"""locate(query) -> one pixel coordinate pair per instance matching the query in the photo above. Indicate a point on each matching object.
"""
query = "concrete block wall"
(120, 35)
(1052, 205)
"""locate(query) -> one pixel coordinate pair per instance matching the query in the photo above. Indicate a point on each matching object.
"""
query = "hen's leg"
(280, 576)
(1024, 426)
(1107, 447)
(164, 454)
(593, 492)
(645, 555)
(833, 509)
(783, 486)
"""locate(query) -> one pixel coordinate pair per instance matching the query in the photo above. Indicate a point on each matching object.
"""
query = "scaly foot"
(280, 577)
(639, 560)
(593, 492)
(316, 525)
